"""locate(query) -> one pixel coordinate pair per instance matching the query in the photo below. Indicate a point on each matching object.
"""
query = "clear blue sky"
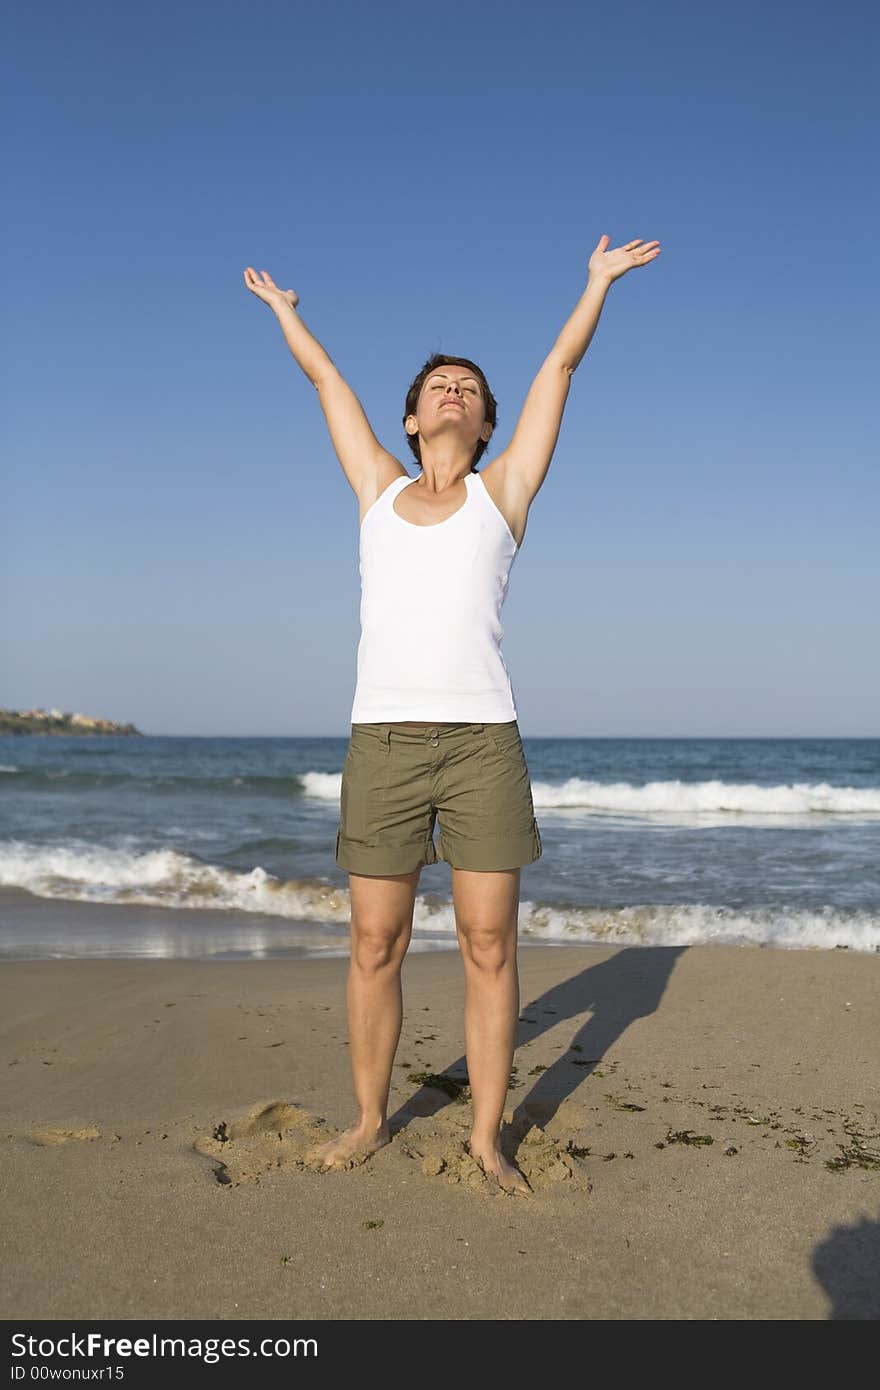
(180, 542)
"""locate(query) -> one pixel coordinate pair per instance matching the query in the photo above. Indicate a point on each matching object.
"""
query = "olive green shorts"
(398, 780)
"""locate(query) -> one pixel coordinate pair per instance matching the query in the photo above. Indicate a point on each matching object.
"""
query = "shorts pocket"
(505, 788)
(368, 736)
(364, 779)
(506, 737)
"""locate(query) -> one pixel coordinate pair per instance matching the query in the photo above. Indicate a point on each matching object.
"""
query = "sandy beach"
(155, 1115)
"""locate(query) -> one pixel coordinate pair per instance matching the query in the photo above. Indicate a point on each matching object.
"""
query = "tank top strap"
(492, 510)
(394, 488)
(379, 510)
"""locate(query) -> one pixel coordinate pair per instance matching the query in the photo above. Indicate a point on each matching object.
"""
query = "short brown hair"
(490, 405)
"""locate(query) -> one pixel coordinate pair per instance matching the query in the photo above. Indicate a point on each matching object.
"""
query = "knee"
(375, 948)
(488, 949)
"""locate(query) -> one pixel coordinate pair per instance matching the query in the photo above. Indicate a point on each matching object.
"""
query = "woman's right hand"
(267, 290)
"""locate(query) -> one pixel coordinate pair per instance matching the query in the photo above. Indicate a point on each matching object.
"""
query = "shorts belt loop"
(386, 736)
(477, 728)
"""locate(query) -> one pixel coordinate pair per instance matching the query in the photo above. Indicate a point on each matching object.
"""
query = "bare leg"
(486, 911)
(381, 928)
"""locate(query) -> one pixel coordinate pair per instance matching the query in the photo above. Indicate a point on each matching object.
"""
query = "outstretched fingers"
(253, 277)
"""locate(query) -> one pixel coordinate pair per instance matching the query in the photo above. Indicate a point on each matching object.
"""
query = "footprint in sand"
(268, 1137)
(53, 1135)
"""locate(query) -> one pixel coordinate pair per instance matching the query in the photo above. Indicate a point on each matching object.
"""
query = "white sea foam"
(161, 878)
(326, 786)
(734, 797)
(170, 879)
(691, 924)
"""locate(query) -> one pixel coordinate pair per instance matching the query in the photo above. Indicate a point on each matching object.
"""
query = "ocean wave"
(733, 797)
(171, 879)
(161, 878)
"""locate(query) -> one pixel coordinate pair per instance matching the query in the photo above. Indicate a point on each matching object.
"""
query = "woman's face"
(451, 400)
(449, 383)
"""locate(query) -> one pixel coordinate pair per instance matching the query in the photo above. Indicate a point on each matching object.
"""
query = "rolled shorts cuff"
(488, 855)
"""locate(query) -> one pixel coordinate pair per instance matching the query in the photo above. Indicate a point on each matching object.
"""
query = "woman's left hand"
(610, 265)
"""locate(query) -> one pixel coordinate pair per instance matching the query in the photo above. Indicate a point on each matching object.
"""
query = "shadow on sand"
(616, 992)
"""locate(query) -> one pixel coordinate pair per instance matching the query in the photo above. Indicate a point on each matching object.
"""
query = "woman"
(434, 733)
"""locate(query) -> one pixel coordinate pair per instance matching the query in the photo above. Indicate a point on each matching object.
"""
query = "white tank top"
(431, 598)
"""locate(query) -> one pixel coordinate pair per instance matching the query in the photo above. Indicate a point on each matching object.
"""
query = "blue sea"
(223, 848)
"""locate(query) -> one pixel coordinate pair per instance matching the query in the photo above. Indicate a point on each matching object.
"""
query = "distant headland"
(58, 721)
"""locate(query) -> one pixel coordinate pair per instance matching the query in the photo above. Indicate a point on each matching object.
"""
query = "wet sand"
(700, 1127)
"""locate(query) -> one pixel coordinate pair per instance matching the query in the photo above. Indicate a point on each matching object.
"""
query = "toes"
(516, 1182)
(334, 1162)
(509, 1182)
(317, 1161)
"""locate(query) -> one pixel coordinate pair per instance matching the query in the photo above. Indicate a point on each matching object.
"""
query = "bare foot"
(348, 1149)
(492, 1161)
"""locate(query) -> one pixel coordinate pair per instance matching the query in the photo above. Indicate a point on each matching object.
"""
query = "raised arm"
(357, 447)
(527, 456)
